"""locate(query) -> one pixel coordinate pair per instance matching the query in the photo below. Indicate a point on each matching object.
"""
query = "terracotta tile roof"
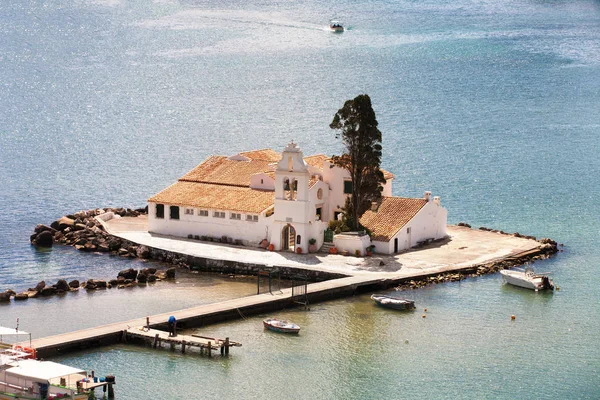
(220, 197)
(316, 160)
(263, 155)
(223, 171)
(393, 213)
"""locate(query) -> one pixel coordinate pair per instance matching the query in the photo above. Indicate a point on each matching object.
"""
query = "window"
(320, 194)
(174, 210)
(407, 230)
(298, 239)
(235, 216)
(160, 211)
(319, 210)
(219, 214)
(347, 187)
(189, 211)
(262, 181)
(253, 218)
(203, 213)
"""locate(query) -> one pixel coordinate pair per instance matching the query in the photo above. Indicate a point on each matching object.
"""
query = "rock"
(5, 297)
(123, 252)
(142, 277)
(115, 282)
(264, 244)
(40, 286)
(129, 274)
(171, 273)
(90, 285)
(21, 296)
(143, 252)
(381, 263)
(44, 239)
(48, 291)
(41, 228)
(63, 223)
(100, 284)
(151, 278)
(62, 285)
(74, 284)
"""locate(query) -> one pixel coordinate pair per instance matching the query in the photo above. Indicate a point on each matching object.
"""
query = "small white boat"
(279, 325)
(24, 377)
(527, 279)
(336, 26)
(393, 302)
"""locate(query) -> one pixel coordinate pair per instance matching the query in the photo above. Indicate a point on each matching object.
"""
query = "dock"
(204, 343)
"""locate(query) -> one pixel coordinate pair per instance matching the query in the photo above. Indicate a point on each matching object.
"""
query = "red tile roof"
(219, 197)
(392, 214)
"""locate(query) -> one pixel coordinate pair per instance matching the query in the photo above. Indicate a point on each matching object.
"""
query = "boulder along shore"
(83, 231)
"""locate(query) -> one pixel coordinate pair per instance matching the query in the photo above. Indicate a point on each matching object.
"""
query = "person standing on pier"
(172, 326)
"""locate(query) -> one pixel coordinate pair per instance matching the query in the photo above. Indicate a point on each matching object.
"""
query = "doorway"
(288, 238)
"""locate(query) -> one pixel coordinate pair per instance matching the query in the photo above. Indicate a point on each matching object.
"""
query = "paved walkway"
(464, 247)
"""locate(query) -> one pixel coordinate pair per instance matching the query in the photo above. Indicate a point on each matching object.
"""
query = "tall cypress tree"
(362, 140)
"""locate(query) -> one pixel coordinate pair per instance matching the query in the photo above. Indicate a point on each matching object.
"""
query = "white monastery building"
(285, 200)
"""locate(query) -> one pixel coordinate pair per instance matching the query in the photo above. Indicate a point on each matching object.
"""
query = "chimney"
(436, 200)
(427, 196)
(374, 206)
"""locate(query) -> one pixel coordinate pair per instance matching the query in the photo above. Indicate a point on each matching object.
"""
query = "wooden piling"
(226, 346)
(155, 341)
(183, 347)
(209, 349)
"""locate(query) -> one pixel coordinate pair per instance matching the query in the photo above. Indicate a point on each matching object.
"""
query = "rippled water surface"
(491, 105)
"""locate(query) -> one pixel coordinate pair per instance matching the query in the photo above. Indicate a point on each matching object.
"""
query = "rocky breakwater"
(547, 248)
(126, 278)
(83, 231)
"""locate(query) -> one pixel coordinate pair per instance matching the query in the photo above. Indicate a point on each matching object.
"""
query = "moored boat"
(527, 279)
(393, 302)
(336, 26)
(279, 325)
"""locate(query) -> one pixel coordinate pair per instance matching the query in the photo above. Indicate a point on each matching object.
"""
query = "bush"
(312, 241)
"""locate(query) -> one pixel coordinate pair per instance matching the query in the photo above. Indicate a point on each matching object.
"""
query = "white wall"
(429, 223)
(262, 182)
(351, 243)
(252, 233)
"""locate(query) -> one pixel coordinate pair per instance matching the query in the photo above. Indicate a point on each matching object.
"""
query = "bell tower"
(292, 202)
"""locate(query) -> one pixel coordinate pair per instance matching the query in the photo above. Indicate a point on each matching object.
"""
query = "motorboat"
(336, 26)
(24, 377)
(528, 279)
(393, 302)
(279, 325)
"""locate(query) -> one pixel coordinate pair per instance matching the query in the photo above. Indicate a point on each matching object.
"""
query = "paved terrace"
(464, 248)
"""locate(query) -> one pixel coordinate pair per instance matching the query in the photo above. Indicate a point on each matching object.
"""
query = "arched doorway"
(288, 238)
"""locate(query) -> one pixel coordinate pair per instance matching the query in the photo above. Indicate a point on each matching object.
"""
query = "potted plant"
(299, 250)
(333, 250)
(357, 253)
(271, 247)
(312, 245)
(370, 250)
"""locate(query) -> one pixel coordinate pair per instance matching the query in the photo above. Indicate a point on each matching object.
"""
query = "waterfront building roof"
(391, 215)
(216, 196)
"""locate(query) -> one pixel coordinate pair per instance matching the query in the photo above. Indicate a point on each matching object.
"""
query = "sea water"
(491, 105)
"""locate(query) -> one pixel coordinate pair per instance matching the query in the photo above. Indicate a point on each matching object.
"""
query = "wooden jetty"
(204, 343)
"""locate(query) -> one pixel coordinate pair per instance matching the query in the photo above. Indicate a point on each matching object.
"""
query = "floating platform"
(204, 343)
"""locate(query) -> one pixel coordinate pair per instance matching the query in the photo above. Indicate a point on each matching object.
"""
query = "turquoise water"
(491, 105)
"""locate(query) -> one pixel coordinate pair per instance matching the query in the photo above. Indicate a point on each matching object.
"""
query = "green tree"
(362, 157)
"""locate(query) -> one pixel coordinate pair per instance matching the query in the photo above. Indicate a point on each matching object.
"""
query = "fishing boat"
(336, 26)
(393, 302)
(279, 325)
(527, 279)
(24, 377)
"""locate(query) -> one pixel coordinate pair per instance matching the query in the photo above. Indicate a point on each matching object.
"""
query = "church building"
(285, 199)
